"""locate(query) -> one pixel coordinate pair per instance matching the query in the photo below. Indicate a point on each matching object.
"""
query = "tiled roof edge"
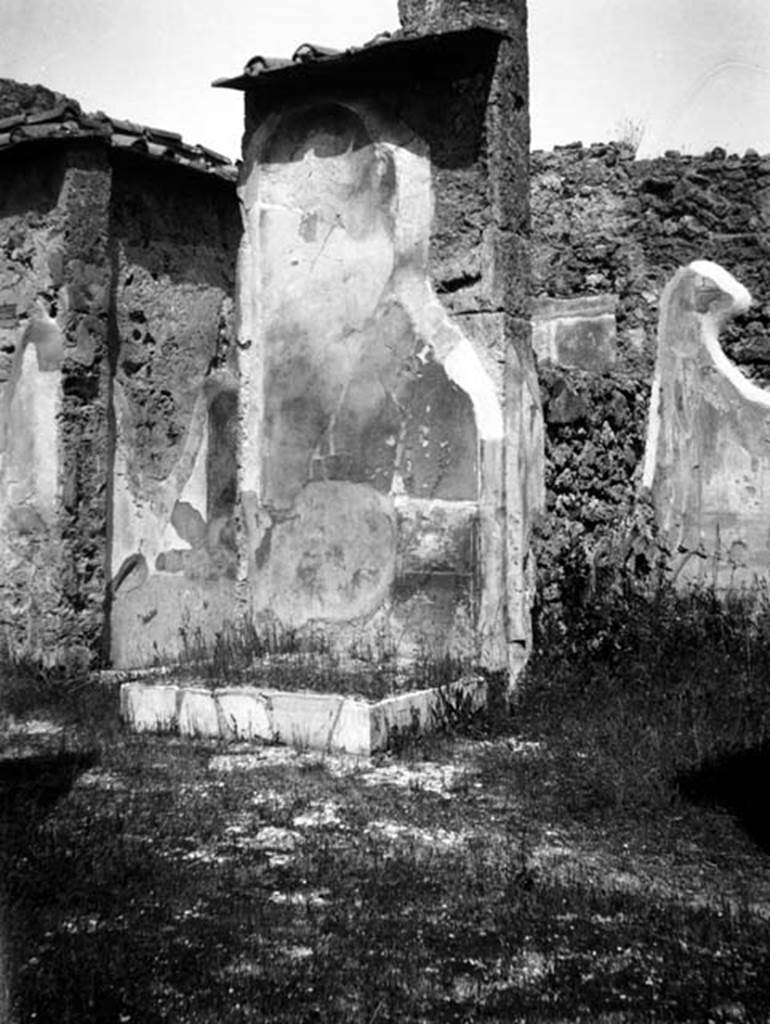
(66, 121)
(312, 54)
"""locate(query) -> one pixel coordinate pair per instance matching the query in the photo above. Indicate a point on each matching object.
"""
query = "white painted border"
(739, 300)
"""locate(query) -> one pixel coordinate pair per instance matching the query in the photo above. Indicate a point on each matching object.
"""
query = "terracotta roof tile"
(66, 120)
(37, 131)
(62, 109)
(408, 51)
(129, 127)
(258, 64)
(307, 52)
(123, 141)
(212, 154)
(159, 135)
(12, 121)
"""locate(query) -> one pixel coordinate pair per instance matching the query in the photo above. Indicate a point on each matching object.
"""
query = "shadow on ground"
(739, 784)
(37, 782)
(30, 785)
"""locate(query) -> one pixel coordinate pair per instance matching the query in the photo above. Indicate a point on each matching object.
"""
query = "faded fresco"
(174, 403)
(342, 434)
(364, 403)
(707, 459)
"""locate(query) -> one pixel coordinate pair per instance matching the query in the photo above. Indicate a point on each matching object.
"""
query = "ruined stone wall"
(32, 221)
(594, 447)
(173, 244)
(615, 229)
(480, 261)
(605, 223)
(84, 450)
(54, 466)
(117, 399)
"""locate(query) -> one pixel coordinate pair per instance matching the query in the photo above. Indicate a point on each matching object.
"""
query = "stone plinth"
(317, 721)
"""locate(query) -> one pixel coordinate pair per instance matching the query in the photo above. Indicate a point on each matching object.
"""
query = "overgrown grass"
(264, 654)
(151, 900)
(148, 894)
(634, 683)
(68, 694)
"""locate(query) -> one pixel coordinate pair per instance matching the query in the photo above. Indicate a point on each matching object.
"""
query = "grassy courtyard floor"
(450, 881)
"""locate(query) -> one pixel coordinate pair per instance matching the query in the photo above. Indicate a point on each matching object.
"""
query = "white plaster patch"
(148, 708)
(724, 280)
(250, 365)
(195, 489)
(453, 350)
(653, 434)
(415, 200)
(464, 367)
(739, 301)
(142, 522)
(30, 464)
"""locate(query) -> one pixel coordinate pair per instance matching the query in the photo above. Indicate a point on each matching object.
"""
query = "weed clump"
(635, 680)
(66, 691)
(266, 654)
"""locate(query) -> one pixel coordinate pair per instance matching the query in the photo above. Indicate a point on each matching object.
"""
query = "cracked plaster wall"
(707, 458)
(383, 362)
(360, 413)
(116, 391)
(174, 393)
(371, 456)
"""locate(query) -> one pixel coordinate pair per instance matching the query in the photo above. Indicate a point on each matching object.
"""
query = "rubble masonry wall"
(605, 225)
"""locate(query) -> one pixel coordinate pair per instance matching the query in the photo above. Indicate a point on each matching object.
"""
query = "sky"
(682, 74)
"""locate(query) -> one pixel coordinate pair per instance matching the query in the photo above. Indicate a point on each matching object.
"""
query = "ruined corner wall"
(116, 284)
(610, 232)
(173, 244)
(53, 465)
(385, 412)
(480, 263)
